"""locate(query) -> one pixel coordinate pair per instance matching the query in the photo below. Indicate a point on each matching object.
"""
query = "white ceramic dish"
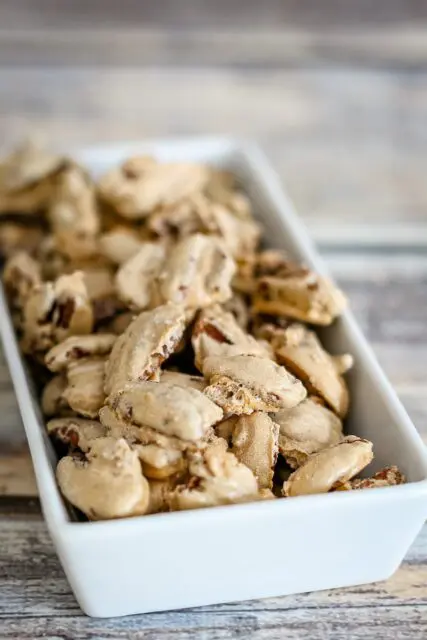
(170, 561)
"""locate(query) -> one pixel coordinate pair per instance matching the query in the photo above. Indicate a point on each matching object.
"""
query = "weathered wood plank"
(36, 602)
(288, 46)
(363, 182)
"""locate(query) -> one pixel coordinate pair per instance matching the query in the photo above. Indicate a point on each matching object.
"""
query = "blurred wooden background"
(336, 94)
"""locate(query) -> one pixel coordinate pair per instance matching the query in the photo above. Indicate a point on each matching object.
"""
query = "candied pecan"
(247, 383)
(141, 185)
(306, 429)
(255, 444)
(328, 468)
(147, 342)
(107, 483)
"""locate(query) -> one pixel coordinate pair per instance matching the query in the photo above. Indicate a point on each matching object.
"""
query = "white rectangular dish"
(184, 559)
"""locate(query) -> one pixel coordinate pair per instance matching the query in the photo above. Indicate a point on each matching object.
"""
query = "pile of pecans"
(178, 362)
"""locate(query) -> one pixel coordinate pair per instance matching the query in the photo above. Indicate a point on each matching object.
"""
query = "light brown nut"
(196, 274)
(101, 290)
(306, 429)
(56, 310)
(246, 383)
(240, 236)
(119, 244)
(27, 178)
(73, 214)
(160, 494)
(238, 306)
(117, 427)
(216, 478)
(300, 350)
(255, 444)
(222, 188)
(52, 401)
(52, 263)
(15, 237)
(387, 477)
(147, 342)
(85, 389)
(21, 274)
(298, 293)
(253, 266)
(191, 215)
(322, 471)
(225, 428)
(120, 323)
(141, 185)
(216, 333)
(183, 380)
(136, 277)
(107, 483)
(74, 432)
(75, 348)
(175, 411)
(158, 462)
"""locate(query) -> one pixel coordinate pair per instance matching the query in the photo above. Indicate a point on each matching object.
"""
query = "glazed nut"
(52, 400)
(297, 292)
(158, 462)
(141, 185)
(27, 179)
(21, 274)
(301, 352)
(217, 333)
(75, 433)
(119, 244)
(216, 478)
(387, 477)
(255, 444)
(107, 482)
(175, 411)
(197, 273)
(85, 386)
(306, 429)
(75, 348)
(246, 383)
(136, 277)
(146, 343)
(329, 468)
(56, 310)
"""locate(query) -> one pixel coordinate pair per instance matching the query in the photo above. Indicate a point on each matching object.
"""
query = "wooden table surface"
(337, 97)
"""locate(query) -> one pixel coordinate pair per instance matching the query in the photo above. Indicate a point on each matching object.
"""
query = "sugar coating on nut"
(136, 277)
(216, 478)
(183, 380)
(197, 273)
(107, 483)
(141, 185)
(255, 444)
(73, 214)
(159, 462)
(85, 386)
(176, 411)
(21, 274)
(56, 310)
(300, 350)
(26, 179)
(147, 342)
(295, 291)
(119, 244)
(217, 333)
(306, 429)
(75, 432)
(247, 383)
(329, 467)
(77, 347)
(52, 400)
(387, 477)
